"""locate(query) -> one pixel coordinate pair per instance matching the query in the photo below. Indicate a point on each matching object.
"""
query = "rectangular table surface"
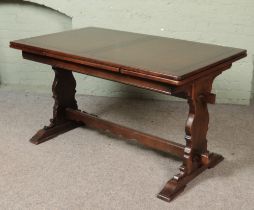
(145, 54)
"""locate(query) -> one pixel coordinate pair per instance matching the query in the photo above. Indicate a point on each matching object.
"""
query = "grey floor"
(84, 169)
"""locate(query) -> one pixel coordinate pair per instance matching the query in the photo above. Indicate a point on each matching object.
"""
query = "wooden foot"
(63, 89)
(48, 133)
(177, 184)
(196, 158)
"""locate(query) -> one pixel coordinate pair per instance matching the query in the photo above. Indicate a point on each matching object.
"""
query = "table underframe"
(194, 154)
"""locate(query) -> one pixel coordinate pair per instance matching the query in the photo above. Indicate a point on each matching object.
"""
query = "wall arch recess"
(22, 19)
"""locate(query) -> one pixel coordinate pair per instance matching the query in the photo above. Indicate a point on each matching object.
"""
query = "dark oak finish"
(148, 140)
(130, 52)
(174, 67)
(64, 96)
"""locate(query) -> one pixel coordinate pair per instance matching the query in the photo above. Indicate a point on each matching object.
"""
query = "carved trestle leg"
(63, 89)
(196, 156)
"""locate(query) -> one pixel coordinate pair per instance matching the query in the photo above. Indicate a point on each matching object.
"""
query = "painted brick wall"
(228, 22)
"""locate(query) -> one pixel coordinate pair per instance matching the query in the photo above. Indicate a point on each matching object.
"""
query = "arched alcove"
(229, 28)
(20, 19)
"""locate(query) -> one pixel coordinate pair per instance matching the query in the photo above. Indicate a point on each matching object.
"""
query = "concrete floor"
(84, 169)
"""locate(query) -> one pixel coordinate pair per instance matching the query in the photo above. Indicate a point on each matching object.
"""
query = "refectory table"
(174, 67)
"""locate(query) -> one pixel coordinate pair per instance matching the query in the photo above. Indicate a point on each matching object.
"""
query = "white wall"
(228, 22)
(19, 21)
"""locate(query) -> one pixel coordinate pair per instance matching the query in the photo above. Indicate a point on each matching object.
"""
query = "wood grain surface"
(131, 52)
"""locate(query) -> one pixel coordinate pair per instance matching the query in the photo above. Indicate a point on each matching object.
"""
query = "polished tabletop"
(146, 54)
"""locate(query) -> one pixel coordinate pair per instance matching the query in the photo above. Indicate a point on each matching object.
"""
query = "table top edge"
(43, 51)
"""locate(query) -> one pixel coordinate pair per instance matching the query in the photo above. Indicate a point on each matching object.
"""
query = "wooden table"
(170, 66)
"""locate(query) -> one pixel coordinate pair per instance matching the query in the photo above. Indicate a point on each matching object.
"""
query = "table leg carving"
(196, 157)
(63, 89)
